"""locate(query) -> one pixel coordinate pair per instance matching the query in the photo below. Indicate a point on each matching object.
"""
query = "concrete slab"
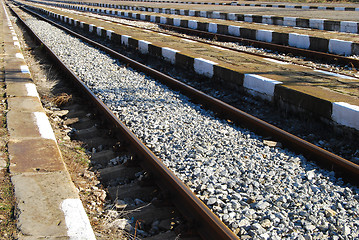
(16, 89)
(36, 195)
(22, 125)
(22, 90)
(25, 104)
(48, 205)
(13, 74)
(35, 155)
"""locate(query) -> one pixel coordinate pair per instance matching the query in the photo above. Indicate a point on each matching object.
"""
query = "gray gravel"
(260, 192)
(246, 48)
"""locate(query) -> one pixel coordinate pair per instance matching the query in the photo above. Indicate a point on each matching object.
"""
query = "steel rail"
(327, 159)
(260, 44)
(204, 221)
(212, 44)
(272, 46)
(330, 160)
(333, 57)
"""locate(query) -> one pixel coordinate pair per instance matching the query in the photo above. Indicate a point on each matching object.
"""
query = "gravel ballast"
(259, 191)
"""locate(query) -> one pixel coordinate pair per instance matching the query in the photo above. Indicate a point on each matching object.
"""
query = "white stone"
(109, 34)
(262, 85)
(99, 31)
(153, 18)
(177, 22)
(211, 201)
(216, 15)
(231, 16)
(234, 30)
(163, 20)
(299, 40)
(192, 24)
(77, 222)
(91, 26)
(204, 67)
(243, 223)
(349, 26)
(19, 55)
(44, 126)
(124, 39)
(340, 47)
(248, 18)
(31, 90)
(267, 19)
(143, 46)
(169, 54)
(212, 27)
(339, 8)
(290, 21)
(24, 69)
(203, 14)
(346, 114)
(264, 35)
(316, 23)
(310, 174)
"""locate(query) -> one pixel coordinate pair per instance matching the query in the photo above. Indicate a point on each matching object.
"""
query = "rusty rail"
(331, 161)
(207, 224)
(338, 59)
(321, 55)
(311, 151)
(203, 220)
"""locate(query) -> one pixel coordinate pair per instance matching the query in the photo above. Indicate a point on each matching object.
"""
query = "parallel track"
(229, 112)
(333, 58)
(207, 224)
(311, 54)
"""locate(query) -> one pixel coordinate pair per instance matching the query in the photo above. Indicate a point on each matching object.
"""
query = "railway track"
(207, 40)
(201, 221)
(238, 67)
(329, 8)
(256, 202)
(290, 21)
(228, 37)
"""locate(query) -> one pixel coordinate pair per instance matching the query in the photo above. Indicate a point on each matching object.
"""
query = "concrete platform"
(339, 43)
(330, 6)
(48, 205)
(321, 93)
(294, 17)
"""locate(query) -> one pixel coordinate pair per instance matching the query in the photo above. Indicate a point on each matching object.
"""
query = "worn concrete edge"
(322, 24)
(334, 46)
(341, 113)
(77, 223)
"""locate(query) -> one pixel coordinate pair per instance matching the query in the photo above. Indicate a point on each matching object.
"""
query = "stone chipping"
(260, 192)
